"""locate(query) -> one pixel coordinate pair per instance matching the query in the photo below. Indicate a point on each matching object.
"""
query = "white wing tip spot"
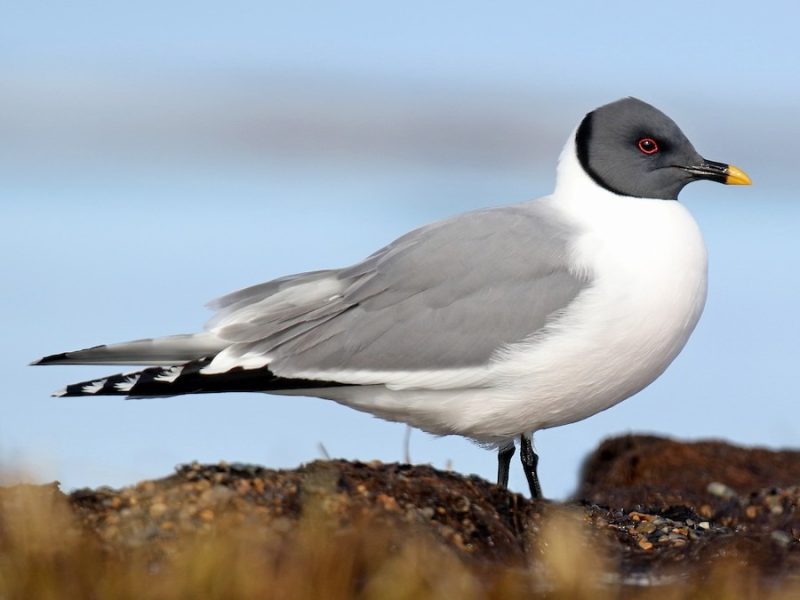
(93, 387)
(127, 385)
(169, 374)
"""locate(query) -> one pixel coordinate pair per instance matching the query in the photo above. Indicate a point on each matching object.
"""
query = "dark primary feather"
(155, 382)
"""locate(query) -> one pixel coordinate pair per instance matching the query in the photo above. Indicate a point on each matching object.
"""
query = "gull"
(492, 324)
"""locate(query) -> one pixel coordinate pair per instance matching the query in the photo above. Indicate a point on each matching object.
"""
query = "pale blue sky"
(155, 157)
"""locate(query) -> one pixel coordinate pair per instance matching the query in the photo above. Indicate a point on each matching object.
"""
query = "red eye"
(648, 145)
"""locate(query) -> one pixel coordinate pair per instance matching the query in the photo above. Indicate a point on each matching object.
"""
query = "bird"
(493, 324)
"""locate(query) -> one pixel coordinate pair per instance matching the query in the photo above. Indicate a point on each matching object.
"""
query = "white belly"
(649, 267)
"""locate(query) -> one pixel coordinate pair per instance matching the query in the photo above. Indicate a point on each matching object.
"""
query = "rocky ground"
(649, 512)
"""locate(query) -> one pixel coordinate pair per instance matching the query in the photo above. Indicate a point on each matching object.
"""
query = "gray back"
(447, 295)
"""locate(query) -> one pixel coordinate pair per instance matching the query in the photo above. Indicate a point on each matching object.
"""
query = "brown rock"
(640, 470)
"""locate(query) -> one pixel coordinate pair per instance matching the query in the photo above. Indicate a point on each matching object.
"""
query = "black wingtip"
(52, 359)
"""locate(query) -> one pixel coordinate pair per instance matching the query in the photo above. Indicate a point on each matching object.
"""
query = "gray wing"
(444, 296)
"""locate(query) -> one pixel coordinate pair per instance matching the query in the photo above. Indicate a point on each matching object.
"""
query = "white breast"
(649, 270)
(648, 265)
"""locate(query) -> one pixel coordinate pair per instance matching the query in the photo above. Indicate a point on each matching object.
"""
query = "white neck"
(573, 184)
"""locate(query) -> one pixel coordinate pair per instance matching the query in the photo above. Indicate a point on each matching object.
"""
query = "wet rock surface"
(655, 510)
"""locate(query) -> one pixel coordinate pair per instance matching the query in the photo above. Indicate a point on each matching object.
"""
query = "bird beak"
(719, 172)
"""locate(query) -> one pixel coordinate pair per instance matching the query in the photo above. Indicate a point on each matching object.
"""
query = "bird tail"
(168, 351)
(188, 378)
(179, 361)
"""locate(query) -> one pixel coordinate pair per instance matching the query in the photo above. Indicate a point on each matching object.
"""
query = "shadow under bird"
(492, 324)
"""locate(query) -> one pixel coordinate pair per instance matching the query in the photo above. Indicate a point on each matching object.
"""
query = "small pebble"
(207, 515)
(775, 504)
(781, 537)
(646, 527)
(716, 488)
(637, 516)
(461, 504)
(388, 502)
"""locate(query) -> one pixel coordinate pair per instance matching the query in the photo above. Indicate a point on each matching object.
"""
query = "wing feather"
(446, 296)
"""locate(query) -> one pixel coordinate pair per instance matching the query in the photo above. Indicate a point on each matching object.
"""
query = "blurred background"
(156, 155)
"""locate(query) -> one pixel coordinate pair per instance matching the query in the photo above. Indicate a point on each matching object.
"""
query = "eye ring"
(647, 145)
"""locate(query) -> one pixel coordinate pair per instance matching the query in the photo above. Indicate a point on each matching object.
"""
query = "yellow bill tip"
(735, 176)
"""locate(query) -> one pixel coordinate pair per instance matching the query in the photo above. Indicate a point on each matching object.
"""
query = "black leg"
(530, 461)
(504, 456)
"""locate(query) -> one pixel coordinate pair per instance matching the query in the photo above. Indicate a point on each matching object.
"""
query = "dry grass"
(45, 554)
